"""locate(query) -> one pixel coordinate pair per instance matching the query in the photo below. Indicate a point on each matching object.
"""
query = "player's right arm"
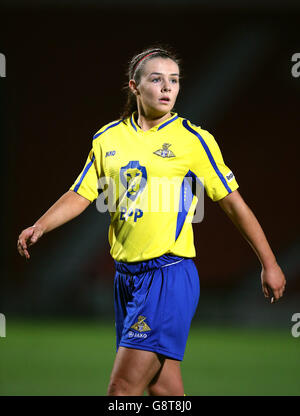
(67, 207)
(83, 192)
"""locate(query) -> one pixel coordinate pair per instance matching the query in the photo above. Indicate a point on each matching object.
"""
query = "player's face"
(158, 88)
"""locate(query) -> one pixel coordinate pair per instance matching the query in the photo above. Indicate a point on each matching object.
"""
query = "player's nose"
(166, 87)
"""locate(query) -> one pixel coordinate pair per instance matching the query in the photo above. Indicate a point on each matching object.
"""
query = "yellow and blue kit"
(151, 237)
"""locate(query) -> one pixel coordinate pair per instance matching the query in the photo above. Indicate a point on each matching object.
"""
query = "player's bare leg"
(168, 380)
(133, 370)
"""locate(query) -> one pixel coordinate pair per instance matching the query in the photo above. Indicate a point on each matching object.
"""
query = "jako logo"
(2, 66)
(2, 326)
(296, 67)
(132, 334)
(110, 153)
(296, 327)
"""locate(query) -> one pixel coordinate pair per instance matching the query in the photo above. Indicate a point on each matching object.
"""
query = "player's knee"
(119, 387)
(163, 390)
(156, 391)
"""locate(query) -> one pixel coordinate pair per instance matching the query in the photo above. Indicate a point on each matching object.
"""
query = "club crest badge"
(165, 151)
(134, 178)
(141, 325)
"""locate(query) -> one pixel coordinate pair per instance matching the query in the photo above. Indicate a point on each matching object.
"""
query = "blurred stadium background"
(65, 69)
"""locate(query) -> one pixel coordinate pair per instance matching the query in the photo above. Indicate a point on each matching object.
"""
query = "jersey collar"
(155, 128)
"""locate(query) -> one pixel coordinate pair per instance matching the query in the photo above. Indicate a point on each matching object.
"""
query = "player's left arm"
(272, 277)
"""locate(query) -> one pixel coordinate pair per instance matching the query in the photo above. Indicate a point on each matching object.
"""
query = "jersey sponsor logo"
(110, 153)
(125, 214)
(141, 325)
(165, 151)
(134, 178)
(230, 176)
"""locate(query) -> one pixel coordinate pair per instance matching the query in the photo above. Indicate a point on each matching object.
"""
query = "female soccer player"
(156, 284)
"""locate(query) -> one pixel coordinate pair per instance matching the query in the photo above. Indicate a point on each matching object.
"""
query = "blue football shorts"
(155, 301)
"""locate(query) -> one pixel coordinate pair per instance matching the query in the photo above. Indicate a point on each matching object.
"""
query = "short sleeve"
(86, 183)
(219, 180)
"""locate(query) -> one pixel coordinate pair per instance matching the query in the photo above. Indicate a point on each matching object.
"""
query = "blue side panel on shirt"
(84, 173)
(185, 200)
(210, 156)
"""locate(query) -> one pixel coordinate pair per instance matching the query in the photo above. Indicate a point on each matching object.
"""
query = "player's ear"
(133, 87)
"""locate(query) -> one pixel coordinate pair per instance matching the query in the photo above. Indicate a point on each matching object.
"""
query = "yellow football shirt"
(142, 176)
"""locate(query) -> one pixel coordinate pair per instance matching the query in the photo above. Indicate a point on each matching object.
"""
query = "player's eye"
(155, 80)
(174, 80)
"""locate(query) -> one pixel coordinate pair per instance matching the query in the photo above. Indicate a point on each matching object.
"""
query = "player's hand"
(273, 282)
(27, 238)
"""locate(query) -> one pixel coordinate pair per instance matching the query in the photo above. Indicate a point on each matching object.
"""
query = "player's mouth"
(164, 100)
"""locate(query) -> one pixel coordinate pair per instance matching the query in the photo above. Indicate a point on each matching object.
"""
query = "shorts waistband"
(145, 266)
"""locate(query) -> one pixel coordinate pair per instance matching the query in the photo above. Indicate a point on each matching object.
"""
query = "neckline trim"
(154, 128)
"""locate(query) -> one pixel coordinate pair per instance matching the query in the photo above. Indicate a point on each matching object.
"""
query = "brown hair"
(134, 71)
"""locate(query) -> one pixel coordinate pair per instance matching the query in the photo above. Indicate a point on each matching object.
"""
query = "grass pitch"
(75, 359)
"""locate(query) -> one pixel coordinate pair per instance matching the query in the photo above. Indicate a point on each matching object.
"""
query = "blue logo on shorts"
(132, 334)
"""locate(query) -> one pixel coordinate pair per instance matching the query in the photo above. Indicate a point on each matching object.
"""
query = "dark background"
(65, 70)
